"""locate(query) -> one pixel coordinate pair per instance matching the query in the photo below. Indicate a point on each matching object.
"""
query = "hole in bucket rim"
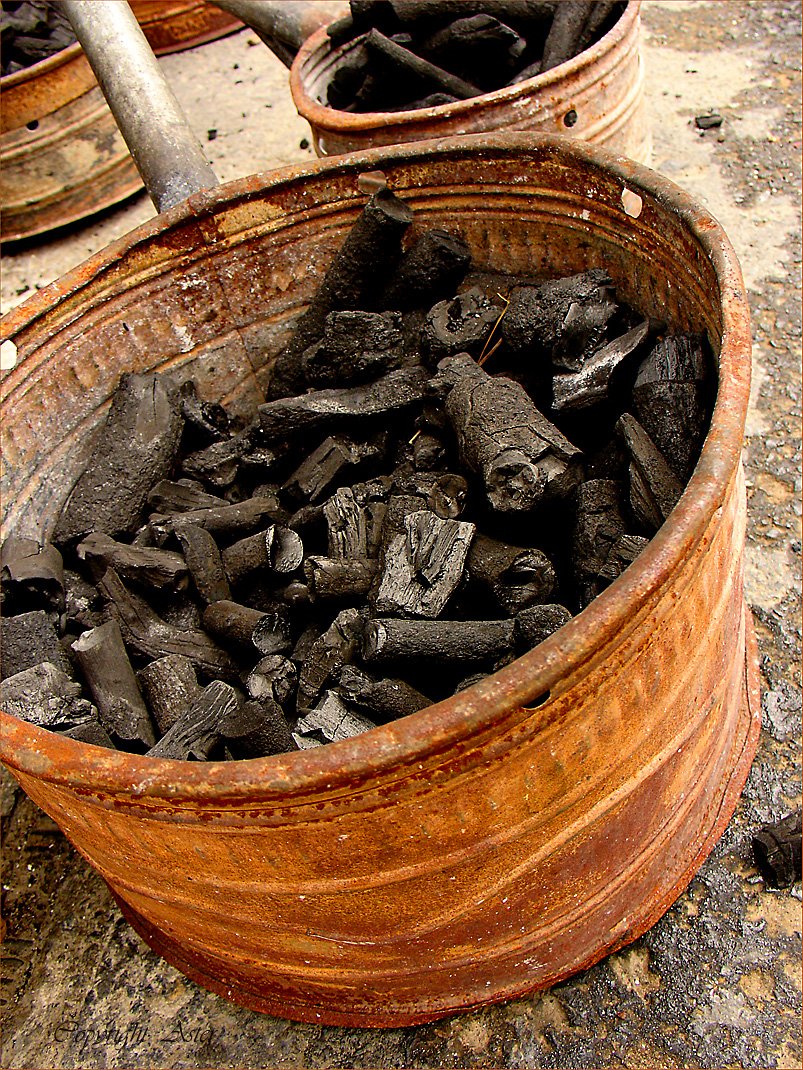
(632, 203)
(570, 118)
(32, 125)
(536, 702)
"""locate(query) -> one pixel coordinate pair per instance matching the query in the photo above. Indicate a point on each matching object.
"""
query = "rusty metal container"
(509, 836)
(62, 157)
(173, 25)
(597, 96)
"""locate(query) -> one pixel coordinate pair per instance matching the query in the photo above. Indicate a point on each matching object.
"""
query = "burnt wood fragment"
(598, 527)
(564, 318)
(278, 549)
(601, 18)
(45, 696)
(460, 325)
(429, 451)
(347, 525)
(224, 521)
(521, 457)
(143, 565)
(133, 449)
(344, 579)
(654, 488)
(28, 639)
(590, 385)
(198, 731)
(181, 496)
(204, 421)
(320, 409)
(204, 562)
(437, 642)
(104, 662)
(355, 347)
(478, 48)
(91, 731)
(432, 268)
(519, 13)
(267, 631)
(329, 722)
(622, 554)
(257, 729)
(327, 655)
(397, 60)
(515, 576)
(273, 677)
(328, 465)
(145, 632)
(385, 699)
(537, 623)
(355, 277)
(777, 850)
(217, 464)
(445, 493)
(170, 687)
(566, 32)
(423, 568)
(31, 576)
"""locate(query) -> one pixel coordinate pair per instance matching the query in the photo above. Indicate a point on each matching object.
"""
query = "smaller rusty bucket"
(597, 96)
(174, 25)
(62, 157)
(506, 837)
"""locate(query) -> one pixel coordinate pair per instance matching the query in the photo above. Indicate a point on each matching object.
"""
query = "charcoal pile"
(31, 30)
(448, 466)
(408, 54)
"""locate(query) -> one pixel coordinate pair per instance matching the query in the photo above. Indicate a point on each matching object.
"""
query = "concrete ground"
(717, 981)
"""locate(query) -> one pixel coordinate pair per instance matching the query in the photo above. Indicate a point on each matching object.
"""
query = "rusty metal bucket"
(597, 96)
(173, 25)
(62, 157)
(509, 836)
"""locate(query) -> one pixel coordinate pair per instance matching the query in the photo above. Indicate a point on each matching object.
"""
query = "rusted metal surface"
(61, 155)
(603, 87)
(173, 25)
(499, 840)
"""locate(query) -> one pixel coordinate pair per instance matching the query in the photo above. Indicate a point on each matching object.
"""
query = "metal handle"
(284, 25)
(167, 154)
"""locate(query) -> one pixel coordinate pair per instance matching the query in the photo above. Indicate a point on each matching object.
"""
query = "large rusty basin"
(509, 836)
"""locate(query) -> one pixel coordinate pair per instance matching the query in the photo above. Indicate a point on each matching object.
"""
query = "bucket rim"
(392, 750)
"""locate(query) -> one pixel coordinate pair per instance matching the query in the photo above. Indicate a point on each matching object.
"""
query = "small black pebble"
(709, 121)
(303, 143)
(211, 134)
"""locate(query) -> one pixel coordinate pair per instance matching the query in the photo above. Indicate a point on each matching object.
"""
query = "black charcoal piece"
(347, 525)
(320, 409)
(133, 449)
(670, 400)
(169, 496)
(445, 493)
(598, 527)
(45, 696)
(204, 421)
(143, 565)
(567, 31)
(329, 464)
(429, 451)
(432, 268)
(339, 579)
(355, 347)
(257, 729)
(267, 631)
(398, 61)
(204, 562)
(198, 731)
(145, 632)
(170, 687)
(329, 722)
(437, 642)
(227, 522)
(327, 655)
(515, 576)
(357, 274)
(777, 850)
(460, 325)
(104, 662)
(278, 549)
(478, 47)
(28, 639)
(580, 390)
(294, 594)
(520, 456)
(469, 681)
(31, 575)
(219, 463)
(423, 567)
(565, 318)
(519, 13)
(537, 623)
(347, 79)
(622, 554)
(83, 605)
(91, 731)
(384, 700)
(273, 677)
(654, 488)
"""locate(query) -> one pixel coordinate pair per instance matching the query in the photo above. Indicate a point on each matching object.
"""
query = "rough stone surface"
(716, 983)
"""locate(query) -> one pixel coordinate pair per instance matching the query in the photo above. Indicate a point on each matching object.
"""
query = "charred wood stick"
(566, 32)
(431, 269)
(91, 731)
(397, 59)
(104, 662)
(274, 677)
(278, 549)
(344, 579)
(480, 47)
(219, 463)
(31, 575)
(257, 729)
(330, 722)
(28, 639)
(168, 496)
(355, 347)
(384, 700)
(515, 576)
(327, 655)
(359, 270)
(319, 409)
(45, 696)
(146, 632)
(268, 632)
(224, 521)
(347, 525)
(598, 527)
(170, 687)
(144, 565)
(327, 465)
(204, 562)
(622, 554)
(198, 731)
(439, 642)
(777, 850)
(654, 488)
(134, 448)
(580, 390)
(521, 457)
(459, 325)
(537, 623)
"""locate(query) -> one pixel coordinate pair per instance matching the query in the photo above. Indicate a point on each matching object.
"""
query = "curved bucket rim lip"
(42, 66)
(435, 729)
(333, 120)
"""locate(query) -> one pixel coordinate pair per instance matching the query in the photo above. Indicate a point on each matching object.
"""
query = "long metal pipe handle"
(284, 25)
(167, 154)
